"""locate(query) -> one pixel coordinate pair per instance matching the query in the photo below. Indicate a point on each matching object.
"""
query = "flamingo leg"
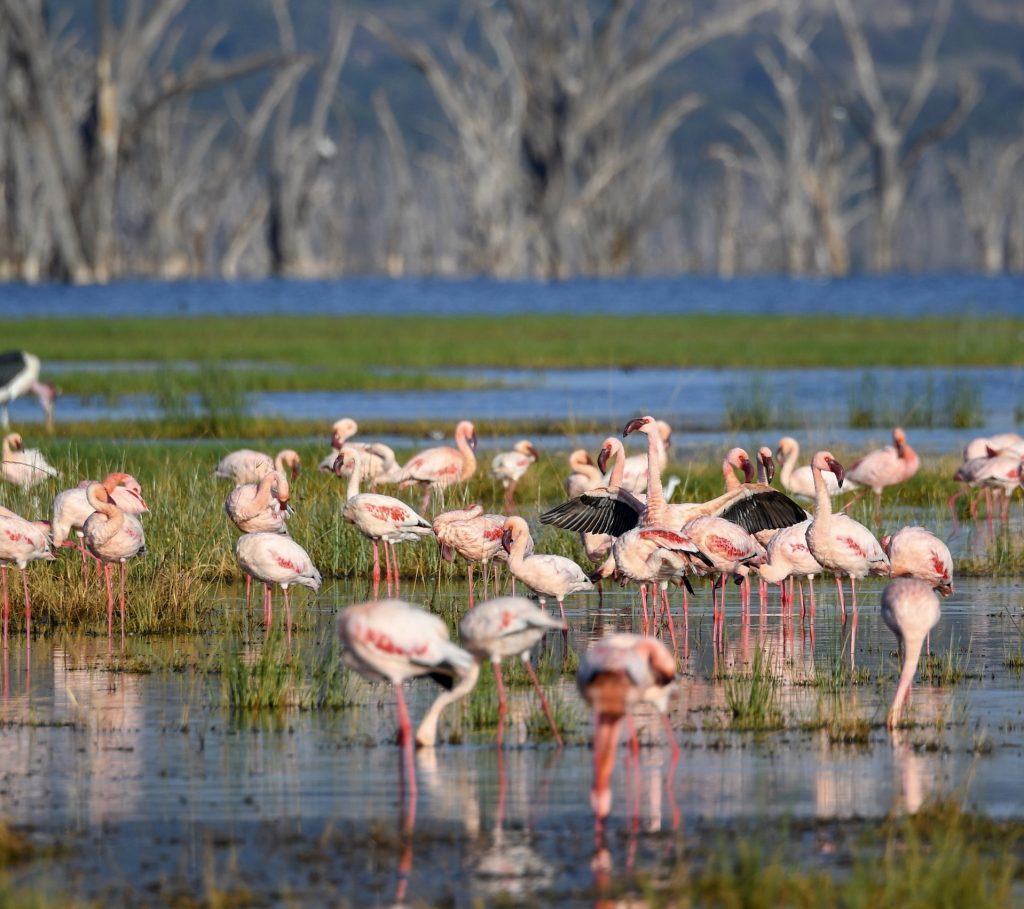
(561, 608)
(394, 567)
(85, 561)
(387, 568)
(803, 611)
(469, 572)
(287, 615)
(405, 734)
(28, 610)
(531, 672)
(842, 602)
(376, 570)
(121, 565)
(643, 604)
(668, 611)
(110, 601)
(484, 572)
(248, 592)
(502, 707)
(853, 592)
(810, 581)
(268, 607)
(7, 604)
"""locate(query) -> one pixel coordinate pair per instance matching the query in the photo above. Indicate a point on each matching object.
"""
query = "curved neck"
(618, 466)
(788, 465)
(655, 499)
(114, 515)
(519, 547)
(357, 470)
(729, 475)
(426, 732)
(262, 497)
(822, 502)
(468, 458)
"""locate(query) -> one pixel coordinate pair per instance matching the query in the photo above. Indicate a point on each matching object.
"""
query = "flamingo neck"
(468, 457)
(606, 740)
(788, 466)
(729, 476)
(911, 655)
(113, 514)
(262, 497)
(619, 465)
(426, 732)
(822, 502)
(655, 498)
(357, 470)
(519, 547)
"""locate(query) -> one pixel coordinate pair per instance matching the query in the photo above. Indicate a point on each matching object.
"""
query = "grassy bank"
(337, 352)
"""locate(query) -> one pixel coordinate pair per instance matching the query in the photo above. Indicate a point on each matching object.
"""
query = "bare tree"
(887, 125)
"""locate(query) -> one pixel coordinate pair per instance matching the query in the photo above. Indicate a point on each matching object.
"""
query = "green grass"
(753, 698)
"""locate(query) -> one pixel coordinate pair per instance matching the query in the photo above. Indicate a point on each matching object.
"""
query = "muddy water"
(155, 789)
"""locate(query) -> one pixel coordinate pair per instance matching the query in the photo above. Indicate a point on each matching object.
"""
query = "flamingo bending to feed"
(473, 535)
(799, 481)
(112, 536)
(248, 466)
(71, 508)
(585, 474)
(393, 641)
(19, 375)
(883, 467)
(616, 673)
(546, 575)
(378, 517)
(439, 468)
(911, 610)
(502, 627)
(260, 507)
(21, 542)
(787, 556)
(510, 466)
(23, 466)
(839, 543)
(272, 558)
(916, 553)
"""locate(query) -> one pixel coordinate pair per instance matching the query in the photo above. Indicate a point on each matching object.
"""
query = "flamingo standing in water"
(911, 610)
(248, 466)
(379, 517)
(393, 641)
(839, 543)
(1003, 475)
(473, 535)
(615, 674)
(883, 467)
(546, 575)
(439, 468)
(799, 481)
(916, 553)
(788, 557)
(272, 558)
(21, 542)
(510, 466)
(498, 628)
(112, 536)
(71, 508)
(21, 466)
(585, 474)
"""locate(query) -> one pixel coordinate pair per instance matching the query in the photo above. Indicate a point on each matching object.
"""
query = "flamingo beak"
(295, 471)
(837, 469)
(506, 540)
(532, 452)
(339, 465)
(602, 459)
(748, 470)
(769, 467)
(472, 441)
(335, 441)
(145, 507)
(633, 426)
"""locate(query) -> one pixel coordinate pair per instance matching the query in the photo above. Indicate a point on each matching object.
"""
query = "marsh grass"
(753, 406)
(954, 401)
(949, 667)
(753, 698)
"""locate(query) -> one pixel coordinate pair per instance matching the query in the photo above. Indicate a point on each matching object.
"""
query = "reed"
(753, 698)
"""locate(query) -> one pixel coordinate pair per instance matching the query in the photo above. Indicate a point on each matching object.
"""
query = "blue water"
(902, 295)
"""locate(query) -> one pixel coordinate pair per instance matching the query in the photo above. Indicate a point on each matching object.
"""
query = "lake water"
(152, 787)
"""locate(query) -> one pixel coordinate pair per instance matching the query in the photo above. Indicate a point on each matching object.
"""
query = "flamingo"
(839, 543)
(439, 468)
(378, 517)
(71, 508)
(510, 466)
(341, 431)
(379, 465)
(883, 467)
(736, 459)
(260, 507)
(1002, 474)
(498, 628)
(248, 466)
(915, 553)
(21, 466)
(111, 536)
(635, 474)
(473, 535)
(21, 542)
(585, 474)
(19, 375)
(546, 575)
(393, 641)
(616, 673)
(799, 481)
(275, 559)
(911, 610)
(788, 556)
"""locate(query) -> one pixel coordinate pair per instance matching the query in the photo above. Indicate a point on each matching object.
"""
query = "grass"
(753, 407)
(955, 402)
(753, 698)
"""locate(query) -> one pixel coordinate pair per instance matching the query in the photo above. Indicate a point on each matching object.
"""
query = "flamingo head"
(605, 454)
(899, 439)
(342, 430)
(345, 462)
(738, 458)
(511, 531)
(291, 460)
(787, 445)
(578, 458)
(525, 447)
(665, 431)
(824, 460)
(640, 424)
(14, 442)
(764, 455)
(467, 431)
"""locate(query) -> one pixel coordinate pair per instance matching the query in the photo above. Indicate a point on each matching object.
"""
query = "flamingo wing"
(611, 511)
(763, 510)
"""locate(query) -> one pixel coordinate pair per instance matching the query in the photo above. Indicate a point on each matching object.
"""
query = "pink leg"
(248, 592)
(643, 605)
(668, 611)
(268, 608)
(110, 601)
(85, 561)
(502, 708)
(405, 733)
(853, 592)
(469, 572)
(287, 615)
(671, 736)
(121, 564)
(842, 603)
(561, 608)
(28, 610)
(394, 568)
(543, 701)
(376, 571)
(387, 567)
(810, 581)
(803, 611)
(7, 604)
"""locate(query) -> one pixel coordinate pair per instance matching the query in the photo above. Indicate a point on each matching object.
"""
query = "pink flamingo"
(379, 465)
(19, 375)
(736, 459)
(915, 553)
(799, 481)
(546, 575)
(393, 641)
(21, 542)
(883, 467)
(473, 535)
(616, 673)
(379, 517)
(71, 508)
(248, 466)
(585, 474)
(788, 556)
(635, 471)
(1002, 474)
(272, 558)
(439, 468)
(510, 466)
(112, 536)
(839, 543)
(911, 610)
(21, 466)
(260, 507)
(498, 628)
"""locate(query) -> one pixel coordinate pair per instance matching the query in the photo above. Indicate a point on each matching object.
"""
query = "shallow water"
(154, 787)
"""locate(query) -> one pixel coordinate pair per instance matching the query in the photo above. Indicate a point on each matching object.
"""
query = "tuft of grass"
(753, 698)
